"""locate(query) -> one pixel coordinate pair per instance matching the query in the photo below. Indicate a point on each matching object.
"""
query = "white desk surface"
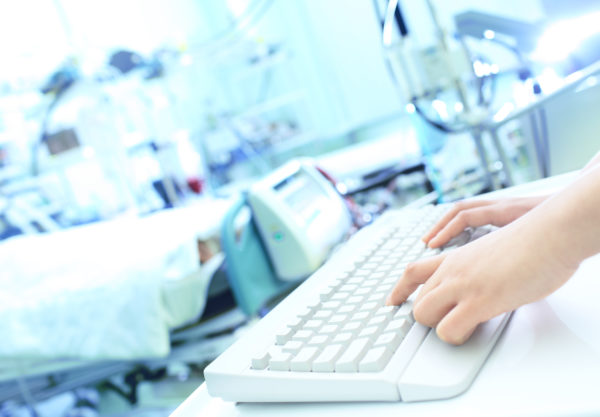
(546, 363)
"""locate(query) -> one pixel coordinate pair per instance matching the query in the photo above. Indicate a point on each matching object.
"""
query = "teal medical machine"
(296, 218)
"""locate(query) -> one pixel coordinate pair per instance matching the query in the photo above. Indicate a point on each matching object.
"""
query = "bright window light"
(503, 112)
(440, 108)
(489, 34)
(482, 69)
(564, 37)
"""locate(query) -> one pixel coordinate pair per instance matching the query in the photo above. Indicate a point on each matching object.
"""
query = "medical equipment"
(438, 81)
(300, 217)
(333, 338)
(249, 270)
(296, 217)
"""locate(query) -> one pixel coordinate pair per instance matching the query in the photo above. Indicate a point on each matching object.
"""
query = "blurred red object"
(195, 184)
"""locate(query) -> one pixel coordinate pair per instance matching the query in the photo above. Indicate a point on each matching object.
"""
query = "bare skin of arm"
(523, 262)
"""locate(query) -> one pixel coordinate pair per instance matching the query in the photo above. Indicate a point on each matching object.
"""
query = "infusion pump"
(300, 217)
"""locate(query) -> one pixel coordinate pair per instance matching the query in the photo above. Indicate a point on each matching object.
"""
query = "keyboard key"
(355, 299)
(387, 311)
(369, 306)
(295, 323)
(400, 326)
(303, 360)
(331, 305)
(373, 282)
(327, 293)
(325, 362)
(337, 283)
(319, 340)
(391, 280)
(304, 313)
(353, 326)
(391, 339)
(303, 335)
(349, 360)
(377, 297)
(293, 346)
(329, 329)
(279, 361)
(379, 320)
(361, 316)
(384, 291)
(322, 314)
(383, 268)
(338, 319)
(348, 288)
(363, 271)
(261, 361)
(313, 325)
(405, 311)
(429, 252)
(370, 332)
(347, 309)
(343, 338)
(363, 291)
(375, 359)
(284, 335)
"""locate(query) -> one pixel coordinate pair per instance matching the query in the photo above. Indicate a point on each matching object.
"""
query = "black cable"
(398, 17)
(400, 21)
(438, 124)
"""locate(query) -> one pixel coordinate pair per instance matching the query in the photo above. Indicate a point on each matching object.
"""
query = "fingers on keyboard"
(439, 234)
(433, 307)
(416, 273)
(474, 217)
(458, 325)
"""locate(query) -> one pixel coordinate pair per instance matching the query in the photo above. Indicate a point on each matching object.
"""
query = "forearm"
(571, 218)
(595, 161)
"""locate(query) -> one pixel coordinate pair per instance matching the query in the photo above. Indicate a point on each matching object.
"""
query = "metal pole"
(477, 138)
(502, 155)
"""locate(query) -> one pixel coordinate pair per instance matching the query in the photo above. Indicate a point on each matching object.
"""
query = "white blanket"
(95, 291)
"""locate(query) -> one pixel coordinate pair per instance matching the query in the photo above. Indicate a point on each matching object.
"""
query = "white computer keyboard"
(333, 338)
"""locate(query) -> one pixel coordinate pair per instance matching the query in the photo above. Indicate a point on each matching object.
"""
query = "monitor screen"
(303, 195)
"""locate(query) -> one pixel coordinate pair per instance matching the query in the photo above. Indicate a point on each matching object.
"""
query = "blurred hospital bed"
(106, 293)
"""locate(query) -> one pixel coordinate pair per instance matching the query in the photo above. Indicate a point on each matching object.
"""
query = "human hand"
(474, 283)
(477, 213)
